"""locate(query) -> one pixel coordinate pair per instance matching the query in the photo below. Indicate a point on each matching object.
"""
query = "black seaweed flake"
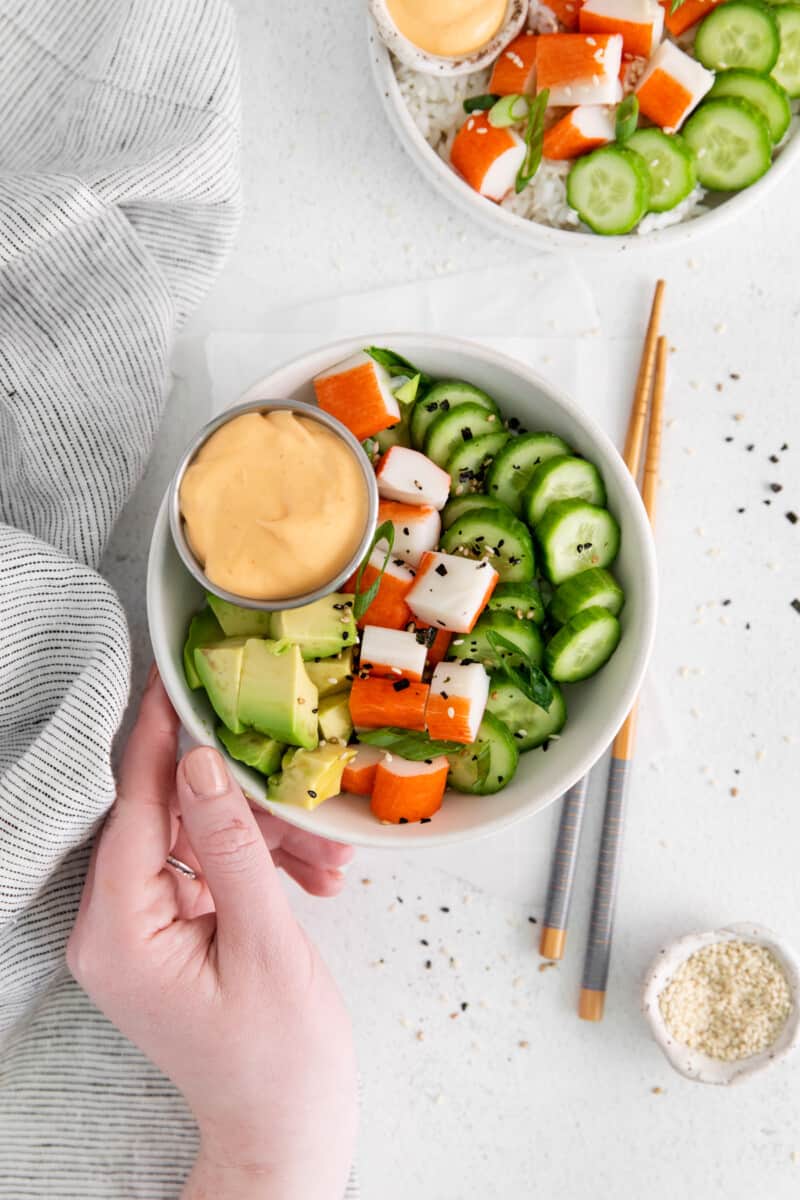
(728, 439)
(776, 487)
(403, 821)
(773, 458)
(796, 605)
(425, 821)
(443, 908)
(441, 570)
(401, 685)
(312, 793)
(792, 518)
(428, 964)
(750, 447)
(532, 921)
(467, 434)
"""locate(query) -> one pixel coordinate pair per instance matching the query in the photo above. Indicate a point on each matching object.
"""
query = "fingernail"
(205, 773)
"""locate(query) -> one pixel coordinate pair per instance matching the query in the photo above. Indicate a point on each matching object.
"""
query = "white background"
(514, 1096)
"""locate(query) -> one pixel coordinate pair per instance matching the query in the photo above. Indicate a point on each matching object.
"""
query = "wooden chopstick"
(598, 950)
(565, 855)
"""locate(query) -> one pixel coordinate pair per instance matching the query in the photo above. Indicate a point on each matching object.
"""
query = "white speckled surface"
(467, 1112)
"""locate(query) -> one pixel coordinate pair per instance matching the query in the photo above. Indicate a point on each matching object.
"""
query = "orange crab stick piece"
(416, 529)
(358, 776)
(566, 10)
(582, 130)
(389, 608)
(408, 791)
(393, 652)
(376, 702)
(639, 22)
(689, 13)
(358, 393)
(579, 68)
(515, 70)
(672, 85)
(488, 159)
(457, 702)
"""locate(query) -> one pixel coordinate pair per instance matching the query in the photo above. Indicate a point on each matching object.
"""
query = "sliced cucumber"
(574, 536)
(443, 396)
(489, 764)
(609, 189)
(529, 724)
(450, 430)
(740, 33)
(503, 540)
(762, 91)
(787, 68)
(476, 647)
(595, 588)
(671, 166)
(468, 464)
(461, 504)
(511, 470)
(582, 646)
(562, 478)
(524, 600)
(731, 143)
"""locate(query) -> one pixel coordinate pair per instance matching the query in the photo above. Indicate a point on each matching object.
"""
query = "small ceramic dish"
(431, 64)
(693, 1064)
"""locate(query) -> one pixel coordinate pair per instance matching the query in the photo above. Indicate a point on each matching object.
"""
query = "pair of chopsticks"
(651, 379)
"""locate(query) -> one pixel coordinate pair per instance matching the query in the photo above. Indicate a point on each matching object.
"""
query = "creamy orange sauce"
(448, 28)
(274, 505)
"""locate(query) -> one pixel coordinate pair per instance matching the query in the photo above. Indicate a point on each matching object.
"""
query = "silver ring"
(181, 867)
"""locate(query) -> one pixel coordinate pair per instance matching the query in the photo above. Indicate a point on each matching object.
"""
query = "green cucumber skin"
(444, 396)
(529, 725)
(516, 562)
(558, 648)
(547, 536)
(468, 465)
(523, 600)
(592, 488)
(475, 646)
(697, 132)
(756, 57)
(788, 18)
(456, 507)
(503, 763)
(582, 591)
(511, 470)
(446, 433)
(639, 178)
(746, 84)
(681, 157)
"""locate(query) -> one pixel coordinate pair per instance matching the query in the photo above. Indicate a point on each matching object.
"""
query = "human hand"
(213, 978)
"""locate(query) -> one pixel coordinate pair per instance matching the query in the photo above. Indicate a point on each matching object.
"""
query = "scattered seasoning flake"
(523, 1045)
(424, 918)
(366, 882)
(657, 1091)
(796, 605)
(729, 1000)
(776, 487)
(734, 791)
(773, 458)
(546, 966)
(533, 921)
(444, 908)
(792, 518)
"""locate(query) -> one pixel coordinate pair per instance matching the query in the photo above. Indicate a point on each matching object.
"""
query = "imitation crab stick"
(687, 15)
(389, 607)
(639, 22)
(358, 393)
(581, 130)
(393, 652)
(515, 70)
(457, 702)
(415, 529)
(579, 68)
(672, 85)
(358, 776)
(409, 477)
(566, 11)
(376, 702)
(408, 791)
(451, 592)
(488, 159)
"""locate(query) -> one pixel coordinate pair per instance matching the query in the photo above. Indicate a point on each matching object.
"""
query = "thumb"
(230, 850)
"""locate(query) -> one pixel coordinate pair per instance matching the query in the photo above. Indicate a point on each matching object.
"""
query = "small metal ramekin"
(304, 410)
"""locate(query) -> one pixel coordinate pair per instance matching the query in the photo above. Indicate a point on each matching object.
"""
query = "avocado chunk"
(219, 668)
(204, 628)
(331, 675)
(240, 622)
(276, 696)
(321, 629)
(253, 749)
(335, 723)
(310, 776)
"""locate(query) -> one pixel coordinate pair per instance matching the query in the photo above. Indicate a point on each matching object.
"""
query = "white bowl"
(693, 1063)
(597, 707)
(431, 64)
(499, 220)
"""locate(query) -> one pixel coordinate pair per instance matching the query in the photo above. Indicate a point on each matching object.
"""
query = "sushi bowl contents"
(485, 650)
(610, 117)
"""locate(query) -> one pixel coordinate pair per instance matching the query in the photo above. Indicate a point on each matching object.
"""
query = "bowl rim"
(392, 837)
(176, 522)
(532, 233)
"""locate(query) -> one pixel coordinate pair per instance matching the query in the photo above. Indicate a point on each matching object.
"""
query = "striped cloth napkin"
(119, 196)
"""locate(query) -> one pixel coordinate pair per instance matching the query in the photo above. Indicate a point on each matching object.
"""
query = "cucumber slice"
(475, 646)
(731, 143)
(468, 464)
(671, 166)
(609, 189)
(574, 536)
(562, 478)
(529, 724)
(490, 534)
(762, 91)
(740, 33)
(787, 68)
(595, 588)
(524, 600)
(450, 430)
(582, 646)
(511, 470)
(462, 504)
(467, 765)
(440, 399)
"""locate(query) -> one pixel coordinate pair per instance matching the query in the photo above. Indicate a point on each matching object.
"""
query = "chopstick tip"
(591, 1005)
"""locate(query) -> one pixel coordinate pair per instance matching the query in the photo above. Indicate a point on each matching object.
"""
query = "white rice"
(436, 105)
